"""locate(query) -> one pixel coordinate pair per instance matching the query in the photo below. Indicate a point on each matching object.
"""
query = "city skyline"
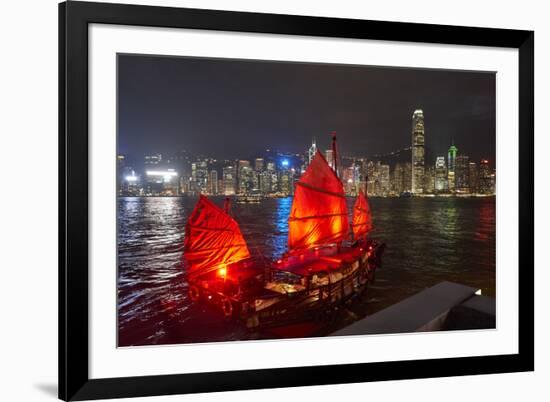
(275, 174)
(235, 109)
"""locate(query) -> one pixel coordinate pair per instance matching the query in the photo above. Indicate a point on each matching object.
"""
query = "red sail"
(212, 239)
(318, 215)
(362, 221)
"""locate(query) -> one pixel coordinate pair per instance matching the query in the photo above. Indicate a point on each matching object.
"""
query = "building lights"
(163, 173)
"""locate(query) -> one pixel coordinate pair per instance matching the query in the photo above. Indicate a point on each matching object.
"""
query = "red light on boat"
(279, 261)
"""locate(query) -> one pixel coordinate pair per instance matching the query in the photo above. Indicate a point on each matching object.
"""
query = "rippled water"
(428, 240)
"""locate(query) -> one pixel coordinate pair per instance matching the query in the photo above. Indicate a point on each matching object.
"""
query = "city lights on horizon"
(275, 173)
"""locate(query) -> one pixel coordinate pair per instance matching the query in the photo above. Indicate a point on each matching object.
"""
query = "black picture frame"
(74, 381)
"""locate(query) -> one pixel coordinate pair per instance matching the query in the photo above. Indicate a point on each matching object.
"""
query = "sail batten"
(362, 220)
(318, 215)
(212, 239)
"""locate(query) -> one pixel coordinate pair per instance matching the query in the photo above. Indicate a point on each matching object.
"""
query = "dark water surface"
(429, 240)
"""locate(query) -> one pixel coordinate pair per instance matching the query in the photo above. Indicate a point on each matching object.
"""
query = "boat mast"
(334, 154)
(227, 205)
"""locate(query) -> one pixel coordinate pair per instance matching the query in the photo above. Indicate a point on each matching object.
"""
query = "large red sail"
(212, 238)
(362, 220)
(318, 215)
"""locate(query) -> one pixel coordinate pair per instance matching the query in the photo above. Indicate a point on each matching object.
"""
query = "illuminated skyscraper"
(397, 179)
(349, 180)
(229, 178)
(265, 181)
(462, 174)
(311, 152)
(329, 156)
(473, 175)
(440, 175)
(384, 179)
(417, 151)
(213, 182)
(246, 179)
(199, 176)
(451, 167)
(161, 182)
(259, 164)
(429, 180)
(485, 179)
(407, 177)
(285, 182)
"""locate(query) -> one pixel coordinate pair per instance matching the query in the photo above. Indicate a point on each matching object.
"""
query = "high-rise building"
(246, 180)
(229, 178)
(265, 182)
(311, 152)
(429, 180)
(329, 156)
(397, 179)
(213, 183)
(259, 164)
(161, 182)
(285, 182)
(349, 180)
(372, 176)
(417, 151)
(120, 165)
(379, 183)
(384, 179)
(244, 176)
(440, 184)
(485, 178)
(129, 182)
(185, 184)
(199, 176)
(462, 174)
(407, 177)
(451, 167)
(473, 176)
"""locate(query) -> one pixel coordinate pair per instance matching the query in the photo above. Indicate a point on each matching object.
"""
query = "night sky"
(231, 109)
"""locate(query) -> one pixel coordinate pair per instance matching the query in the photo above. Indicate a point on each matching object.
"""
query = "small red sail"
(362, 220)
(213, 239)
(319, 214)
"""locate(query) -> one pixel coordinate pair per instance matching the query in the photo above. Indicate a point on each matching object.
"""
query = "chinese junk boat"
(329, 261)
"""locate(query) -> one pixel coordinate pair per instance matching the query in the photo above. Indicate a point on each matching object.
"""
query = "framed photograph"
(257, 201)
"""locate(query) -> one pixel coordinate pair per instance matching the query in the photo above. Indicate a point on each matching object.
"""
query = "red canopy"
(362, 220)
(318, 215)
(212, 238)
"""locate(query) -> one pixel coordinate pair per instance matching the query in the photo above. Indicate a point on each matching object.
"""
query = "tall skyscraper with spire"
(451, 166)
(417, 151)
(311, 151)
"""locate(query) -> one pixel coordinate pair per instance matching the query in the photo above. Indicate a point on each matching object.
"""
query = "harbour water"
(429, 240)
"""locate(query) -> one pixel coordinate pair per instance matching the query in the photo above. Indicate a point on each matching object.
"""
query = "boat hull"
(259, 304)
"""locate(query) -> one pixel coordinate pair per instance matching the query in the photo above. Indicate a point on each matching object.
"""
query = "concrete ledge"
(424, 311)
(478, 312)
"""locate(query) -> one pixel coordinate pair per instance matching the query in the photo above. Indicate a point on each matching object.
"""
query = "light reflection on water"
(428, 240)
